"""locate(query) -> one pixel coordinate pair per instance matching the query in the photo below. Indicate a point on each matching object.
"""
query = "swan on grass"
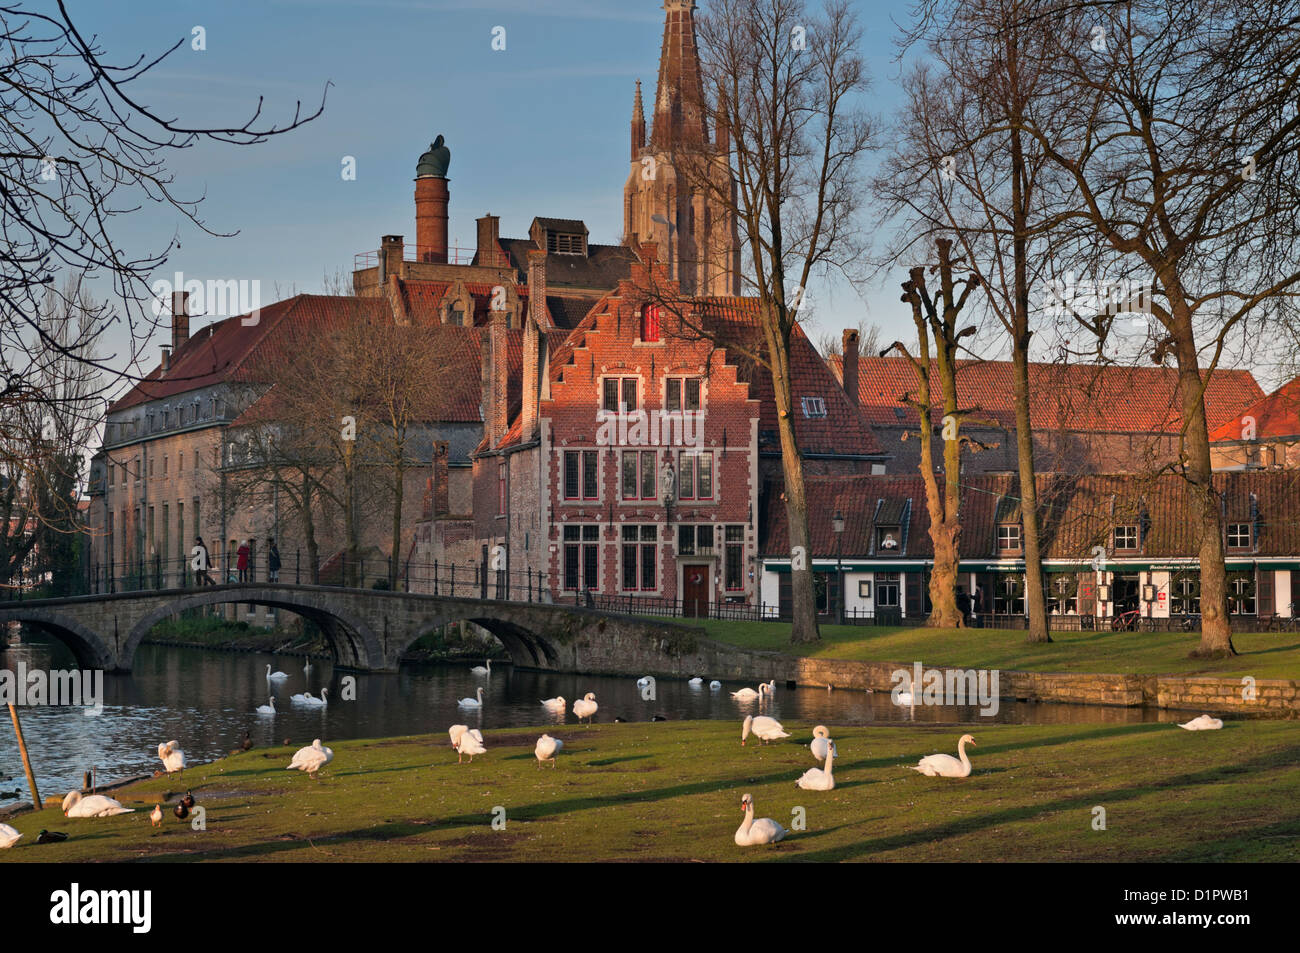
(468, 742)
(585, 707)
(481, 670)
(311, 759)
(8, 836)
(768, 729)
(75, 805)
(821, 742)
(172, 757)
(1203, 723)
(310, 700)
(472, 702)
(274, 676)
(268, 708)
(546, 749)
(749, 694)
(820, 779)
(753, 832)
(554, 704)
(945, 765)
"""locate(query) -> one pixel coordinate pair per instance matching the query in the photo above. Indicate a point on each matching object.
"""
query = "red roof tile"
(1275, 416)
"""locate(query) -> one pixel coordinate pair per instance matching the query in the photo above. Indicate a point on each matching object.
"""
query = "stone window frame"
(582, 472)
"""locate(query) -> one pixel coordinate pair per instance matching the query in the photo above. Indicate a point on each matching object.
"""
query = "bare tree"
(1183, 153)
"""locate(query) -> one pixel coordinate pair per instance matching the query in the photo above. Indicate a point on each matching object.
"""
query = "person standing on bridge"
(272, 561)
(241, 561)
(200, 563)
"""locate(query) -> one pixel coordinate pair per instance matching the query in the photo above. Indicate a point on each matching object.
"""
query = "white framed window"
(813, 407)
(1009, 538)
(1239, 536)
(1126, 537)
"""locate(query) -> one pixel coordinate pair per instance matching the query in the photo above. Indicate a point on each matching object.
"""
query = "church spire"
(678, 121)
(638, 124)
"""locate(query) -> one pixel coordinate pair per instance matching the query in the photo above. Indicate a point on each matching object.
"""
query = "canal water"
(207, 701)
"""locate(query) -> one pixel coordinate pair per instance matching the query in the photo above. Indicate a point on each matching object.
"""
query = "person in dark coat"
(199, 563)
(272, 561)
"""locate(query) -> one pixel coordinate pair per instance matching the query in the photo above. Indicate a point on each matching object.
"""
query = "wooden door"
(695, 590)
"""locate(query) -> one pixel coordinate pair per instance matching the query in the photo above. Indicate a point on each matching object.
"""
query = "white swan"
(472, 702)
(1203, 723)
(904, 698)
(480, 670)
(311, 759)
(274, 676)
(695, 682)
(749, 694)
(172, 757)
(715, 685)
(469, 743)
(547, 748)
(454, 733)
(643, 681)
(819, 779)
(771, 689)
(268, 709)
(586, 706)
(821, 742)
(74, 805)
(945, 765)
(555, 704)
(769, 729)
(8, 836)
(755, 832)
(310, 700)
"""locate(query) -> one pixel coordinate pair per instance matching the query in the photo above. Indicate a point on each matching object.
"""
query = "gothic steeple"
(638, 124)
(678, 121)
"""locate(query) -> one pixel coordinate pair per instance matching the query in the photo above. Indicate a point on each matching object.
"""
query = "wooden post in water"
(27, 763)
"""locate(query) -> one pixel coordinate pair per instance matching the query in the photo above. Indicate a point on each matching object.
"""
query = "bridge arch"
(525, 646)
(89, 649)
(353, 643)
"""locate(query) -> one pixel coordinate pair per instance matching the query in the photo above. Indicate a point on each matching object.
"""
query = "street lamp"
(837, 524)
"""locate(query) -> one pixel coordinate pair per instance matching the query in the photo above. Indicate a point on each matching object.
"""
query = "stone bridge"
(369, 630)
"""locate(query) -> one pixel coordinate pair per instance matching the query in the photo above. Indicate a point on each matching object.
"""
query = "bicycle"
(1287, 623)
(1126, 621)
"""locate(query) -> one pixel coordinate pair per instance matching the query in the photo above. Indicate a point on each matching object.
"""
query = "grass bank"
(1263, 655)
(671, 791)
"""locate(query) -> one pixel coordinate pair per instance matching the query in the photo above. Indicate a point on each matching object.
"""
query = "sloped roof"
(1275, 416)
(604, 266)
(1105, 398)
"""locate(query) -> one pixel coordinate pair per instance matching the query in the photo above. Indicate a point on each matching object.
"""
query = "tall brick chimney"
(390, 257)
(533, 326)
(180, 319)
(441, 504)
(849, 371)
(489, 232)
(431, 198)
(496, 378)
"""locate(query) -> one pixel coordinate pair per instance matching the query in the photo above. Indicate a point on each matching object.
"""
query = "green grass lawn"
(1263, 655)
(671, 791)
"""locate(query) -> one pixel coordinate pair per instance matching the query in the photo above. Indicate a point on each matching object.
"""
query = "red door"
(695, 590)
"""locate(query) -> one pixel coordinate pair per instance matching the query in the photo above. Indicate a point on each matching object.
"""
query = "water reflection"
(207, 700)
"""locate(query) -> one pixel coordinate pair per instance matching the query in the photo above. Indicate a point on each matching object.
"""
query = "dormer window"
(566, 243)
(889, 540)
(1239, 536)
(1009, 538)
(813, 407)
(1126, 538)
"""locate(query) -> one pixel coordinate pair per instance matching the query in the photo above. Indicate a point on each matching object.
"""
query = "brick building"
(1264, 435)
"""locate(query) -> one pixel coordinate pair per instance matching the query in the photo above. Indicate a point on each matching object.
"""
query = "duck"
(247, 743)
(50, 837)
(546, 749)
(753, 832)
(748, 694)
(311, 759)
(8, 836)
(469, 742)
(1203, 723)
(585, 707)
(945, 765)
(472, 702)
(715, 685)
(768, 729)
(310, 700)
(181, 811)
(481, 670)
(821, 741)
(555, 704)
(172, 757)
(155, 816)
(620, 720)
(819, 779)
(96, 805)
(658, 717)
(695, 682)
(274, 676)
(268, 708)
(188, 799)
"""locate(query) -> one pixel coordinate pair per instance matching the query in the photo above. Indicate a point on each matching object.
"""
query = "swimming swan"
(472, 702)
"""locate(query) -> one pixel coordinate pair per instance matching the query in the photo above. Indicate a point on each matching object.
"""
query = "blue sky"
(540, 128)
